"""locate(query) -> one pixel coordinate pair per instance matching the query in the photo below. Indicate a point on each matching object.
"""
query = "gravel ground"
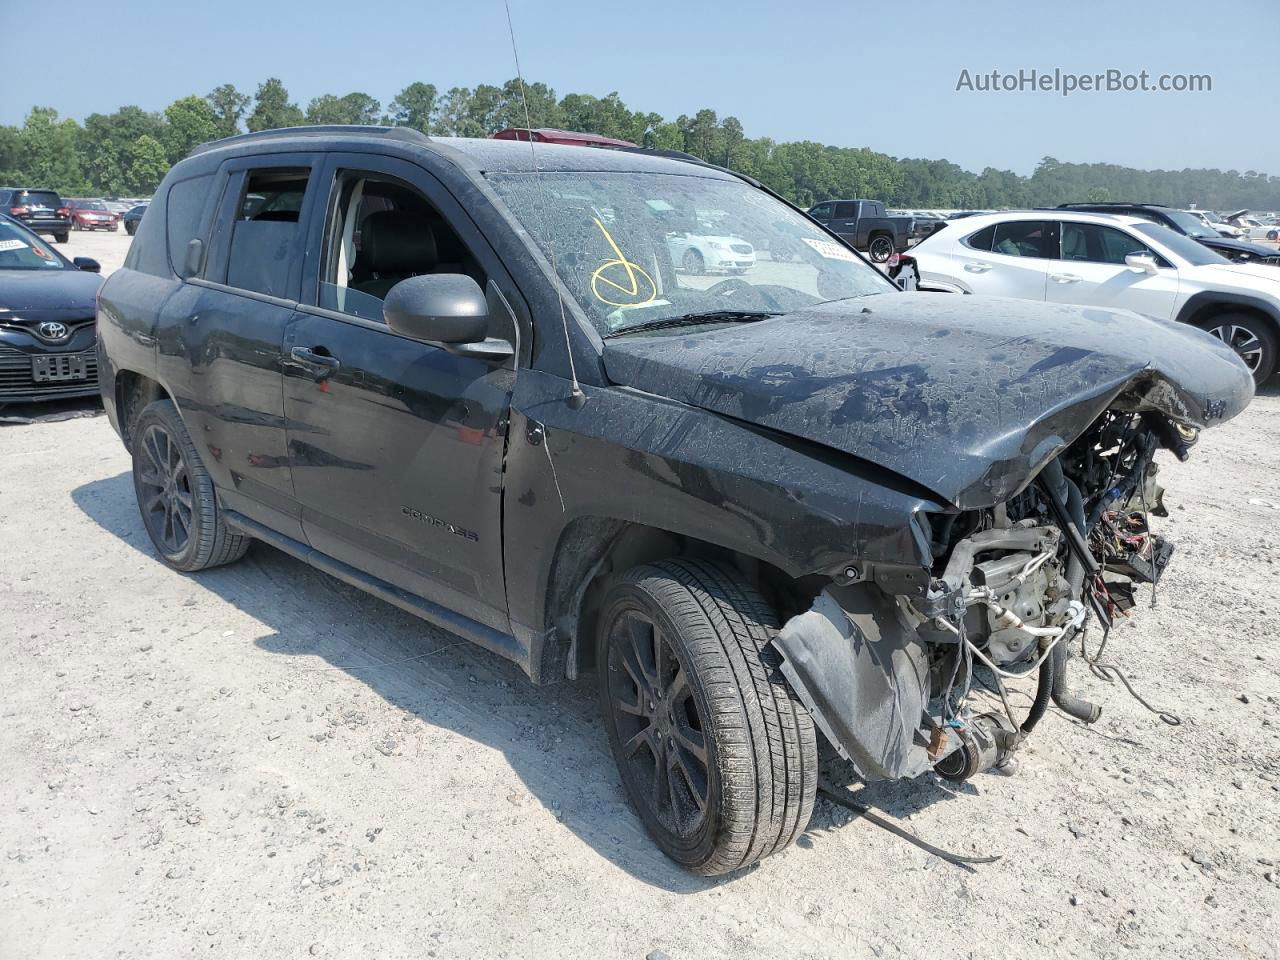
(261, 761)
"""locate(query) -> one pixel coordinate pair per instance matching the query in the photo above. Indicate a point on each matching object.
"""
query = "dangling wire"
(575, 389)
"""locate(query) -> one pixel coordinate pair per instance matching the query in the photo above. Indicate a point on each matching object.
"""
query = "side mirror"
(439, 307)
(1141, 262)
(87, 264)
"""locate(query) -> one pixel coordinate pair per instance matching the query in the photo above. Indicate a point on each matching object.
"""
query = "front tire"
(716, 753)
(62, 237)
(1251, 337)
(694, 263)
(175, 494)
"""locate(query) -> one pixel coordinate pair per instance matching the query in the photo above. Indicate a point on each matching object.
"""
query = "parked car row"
(1076, 256)
(47, 212)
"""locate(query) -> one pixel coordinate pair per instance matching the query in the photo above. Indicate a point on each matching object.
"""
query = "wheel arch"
(593, 550)
(1199, 309)
(133, 391)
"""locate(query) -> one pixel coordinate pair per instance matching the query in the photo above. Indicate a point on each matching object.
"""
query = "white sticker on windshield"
(831, 250)
(12, 245)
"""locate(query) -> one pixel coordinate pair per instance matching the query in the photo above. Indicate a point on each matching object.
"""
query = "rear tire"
(130, 228)
(175, 494)
(1251, 337)
(881, 248)
(62, 237)
(716, 753)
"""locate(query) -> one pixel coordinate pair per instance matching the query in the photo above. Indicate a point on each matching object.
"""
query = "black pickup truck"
(864, 224)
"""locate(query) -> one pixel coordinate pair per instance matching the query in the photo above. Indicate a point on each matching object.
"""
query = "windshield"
(1186, 248)
(639, 248)
(20, 250)
(1189, 224)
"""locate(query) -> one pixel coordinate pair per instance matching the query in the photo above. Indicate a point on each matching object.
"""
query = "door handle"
(1064, 278)
(311, 360)
(974, 267)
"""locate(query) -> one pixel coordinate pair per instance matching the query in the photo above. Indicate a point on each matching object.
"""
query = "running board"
(495, 641)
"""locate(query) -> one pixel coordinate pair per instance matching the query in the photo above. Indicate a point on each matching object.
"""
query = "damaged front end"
(887, 666)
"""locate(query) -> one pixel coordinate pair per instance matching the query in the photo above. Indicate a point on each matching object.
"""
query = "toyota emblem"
(53, 330)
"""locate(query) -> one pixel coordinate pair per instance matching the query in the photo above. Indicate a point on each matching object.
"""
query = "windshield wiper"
(694, 319)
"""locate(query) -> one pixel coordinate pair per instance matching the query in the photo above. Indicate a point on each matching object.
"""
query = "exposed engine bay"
(1012, 586)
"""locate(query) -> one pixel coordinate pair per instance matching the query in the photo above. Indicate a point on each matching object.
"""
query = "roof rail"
(317, 130)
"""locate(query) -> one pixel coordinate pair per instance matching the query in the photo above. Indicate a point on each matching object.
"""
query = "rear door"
(396, 445)
(1092, 270)
(222, 333)
(844, 220)
(1008, 259)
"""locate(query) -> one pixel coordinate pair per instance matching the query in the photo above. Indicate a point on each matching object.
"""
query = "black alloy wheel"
(881, 249)
(164, 491)
(660, 728)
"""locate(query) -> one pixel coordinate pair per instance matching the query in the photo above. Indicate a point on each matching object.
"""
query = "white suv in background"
(1108, 261)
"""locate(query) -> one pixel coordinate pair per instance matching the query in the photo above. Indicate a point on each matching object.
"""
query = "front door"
(396, 445)
(1092, 271)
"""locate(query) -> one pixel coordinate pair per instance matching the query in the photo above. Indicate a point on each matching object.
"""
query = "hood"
(61, 290)
(1229, 246)
(967, 396)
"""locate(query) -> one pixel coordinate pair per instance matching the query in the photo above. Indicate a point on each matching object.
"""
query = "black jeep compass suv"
(469, 377)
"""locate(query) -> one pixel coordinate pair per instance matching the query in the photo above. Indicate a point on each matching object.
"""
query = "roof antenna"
(576, 397)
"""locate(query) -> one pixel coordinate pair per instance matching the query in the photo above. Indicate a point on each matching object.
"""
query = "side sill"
(504, 645)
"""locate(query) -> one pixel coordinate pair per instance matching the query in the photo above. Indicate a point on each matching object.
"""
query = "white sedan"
(1108, 261)
(699, 253)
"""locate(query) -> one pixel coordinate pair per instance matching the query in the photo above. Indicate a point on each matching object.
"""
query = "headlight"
(717, 245)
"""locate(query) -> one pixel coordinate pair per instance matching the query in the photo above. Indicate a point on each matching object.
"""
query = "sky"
(853, 73)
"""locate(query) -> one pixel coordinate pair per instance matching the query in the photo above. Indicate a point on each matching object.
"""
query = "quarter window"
(265, 233)
(183, 209)
(982, 239)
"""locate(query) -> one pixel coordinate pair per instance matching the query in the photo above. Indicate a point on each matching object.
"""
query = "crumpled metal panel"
(968, 396)
(862, 673)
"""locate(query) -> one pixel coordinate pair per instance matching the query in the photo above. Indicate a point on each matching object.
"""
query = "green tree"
(354, 108)
(272, 109)
(188, 123)
(414, 107)
(107, 144)
(229, 106)
(147, 166)
(48, 156)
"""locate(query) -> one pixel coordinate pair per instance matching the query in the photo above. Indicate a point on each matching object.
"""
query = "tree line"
(126, 153)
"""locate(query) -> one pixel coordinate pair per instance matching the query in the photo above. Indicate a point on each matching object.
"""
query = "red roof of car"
(552, 135)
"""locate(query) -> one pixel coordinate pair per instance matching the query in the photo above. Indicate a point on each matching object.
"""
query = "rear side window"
(846, 211)
(1024, 238)
(183, 210)
(265, 232)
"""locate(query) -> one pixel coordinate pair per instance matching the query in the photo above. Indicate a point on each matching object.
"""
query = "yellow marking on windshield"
(631, 287)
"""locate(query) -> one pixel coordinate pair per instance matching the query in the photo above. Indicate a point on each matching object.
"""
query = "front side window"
(1095, 243)
(381, 231)
(265, 232)
(821, 212)
(1023, 238)
(636, 248)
